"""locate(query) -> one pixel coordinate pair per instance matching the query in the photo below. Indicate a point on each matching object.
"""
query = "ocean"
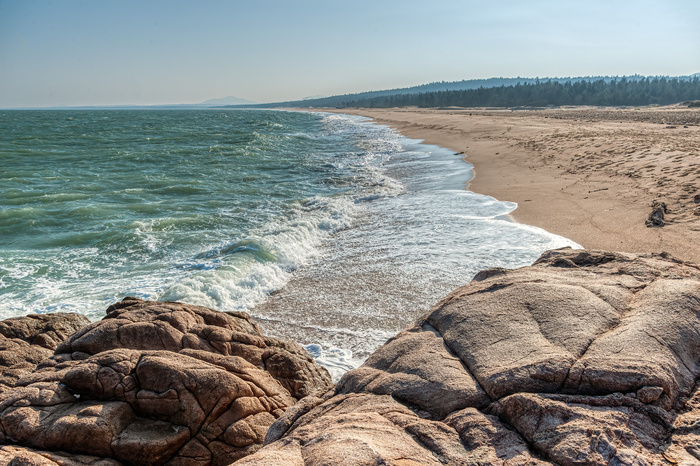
(326, 228)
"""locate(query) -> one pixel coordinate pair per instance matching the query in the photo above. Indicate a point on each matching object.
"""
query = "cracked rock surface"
(585, 357)
(154, 383)
(26, 341)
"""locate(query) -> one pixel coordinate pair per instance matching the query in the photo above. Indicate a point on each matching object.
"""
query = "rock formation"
(657, 215)
(26, 341)
(153, 383)
(586, 357)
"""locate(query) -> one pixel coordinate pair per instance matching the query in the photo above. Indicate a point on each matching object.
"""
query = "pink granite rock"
(157, 382)
(26, 341)
(586, 357)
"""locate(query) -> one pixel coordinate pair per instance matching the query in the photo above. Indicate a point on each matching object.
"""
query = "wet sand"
(589, 174)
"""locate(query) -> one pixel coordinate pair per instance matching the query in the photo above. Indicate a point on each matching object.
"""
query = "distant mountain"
(225, 101)
(220, 102)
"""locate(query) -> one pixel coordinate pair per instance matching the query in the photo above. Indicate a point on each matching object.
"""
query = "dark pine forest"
(520, 92)
(617, 92)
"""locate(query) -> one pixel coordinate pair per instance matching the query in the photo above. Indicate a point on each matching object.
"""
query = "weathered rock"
(150, 325)
(12, 455)
(656, 217)
(26, 341)
(586, 357)
(364, 429)
(159, 382)
(17, 358)
(649, 394)
(429, 376)
(45, 330)
(569, 432)
(490, 441)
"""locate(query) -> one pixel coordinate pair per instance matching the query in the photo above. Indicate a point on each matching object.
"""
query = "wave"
(326, 225)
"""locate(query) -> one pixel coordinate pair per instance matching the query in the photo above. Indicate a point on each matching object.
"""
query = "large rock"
(148, 325)
(157, 382)
(586, 357)
(26, 341)
(45, 330)
(22, 456)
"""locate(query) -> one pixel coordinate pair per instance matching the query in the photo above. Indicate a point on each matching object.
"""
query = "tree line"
(614, 92)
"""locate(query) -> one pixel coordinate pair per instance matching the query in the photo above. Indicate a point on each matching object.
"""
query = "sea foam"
(328, 229)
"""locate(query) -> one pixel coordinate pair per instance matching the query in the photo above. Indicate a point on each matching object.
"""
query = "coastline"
(532, 364)
(588, 174)
(415, 236)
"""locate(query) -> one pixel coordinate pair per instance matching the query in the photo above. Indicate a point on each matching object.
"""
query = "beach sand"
(587, 173)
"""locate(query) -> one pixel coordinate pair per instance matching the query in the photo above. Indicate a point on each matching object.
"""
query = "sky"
(125, 52)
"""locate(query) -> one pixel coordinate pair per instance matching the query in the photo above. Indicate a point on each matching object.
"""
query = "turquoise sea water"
(353, 227)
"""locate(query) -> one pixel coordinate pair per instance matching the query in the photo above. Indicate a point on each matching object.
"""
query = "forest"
(519, 92)
(615, 92)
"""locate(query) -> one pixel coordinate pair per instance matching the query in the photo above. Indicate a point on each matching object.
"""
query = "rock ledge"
(152, 383)
(586, 357)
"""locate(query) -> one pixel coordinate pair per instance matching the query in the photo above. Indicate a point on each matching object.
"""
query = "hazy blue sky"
(89, 52)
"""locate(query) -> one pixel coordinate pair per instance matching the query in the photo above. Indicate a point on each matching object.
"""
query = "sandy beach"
(589, 174)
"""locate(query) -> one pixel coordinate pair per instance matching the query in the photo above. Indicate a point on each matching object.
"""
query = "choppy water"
(355, 228)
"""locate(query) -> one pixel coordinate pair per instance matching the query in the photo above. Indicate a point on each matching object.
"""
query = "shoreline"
(588, 174)
(416, 235)
(495, 371)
